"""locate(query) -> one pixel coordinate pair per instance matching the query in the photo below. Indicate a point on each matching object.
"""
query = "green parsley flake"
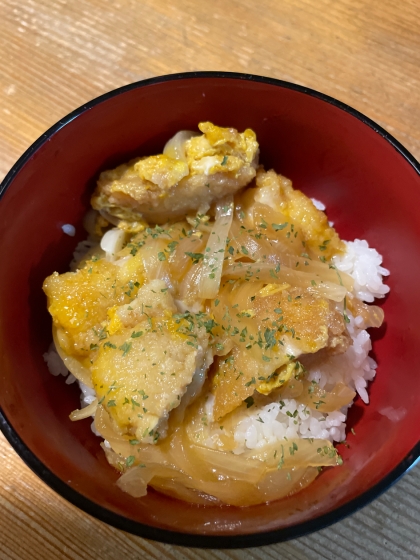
(323, 247)
(172, 245)
(249, 402)
(126, 347)
(196, 257)
(278, 227)
(136, 334)
(281, 462)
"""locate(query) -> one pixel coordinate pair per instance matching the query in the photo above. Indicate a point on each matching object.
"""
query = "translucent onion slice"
(109, 217)
(177, 489)
(155, 263)
(85, 412)
(135, 481)
(231, 465)
(276, 251)
(72, 364)
(372, 315)
(190, 286)
(179, 260)
(185, 461)
(267, 273)
(272, 486)
(229, 491)
(175, 146)
(112, 242)
(214, 253)
(279, 483)
(326, 401)
(275, 484)
(295, 453)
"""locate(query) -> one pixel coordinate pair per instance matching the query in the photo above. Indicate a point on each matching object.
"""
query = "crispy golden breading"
(277, 192)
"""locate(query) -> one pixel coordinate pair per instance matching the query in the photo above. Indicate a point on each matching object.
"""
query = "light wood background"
(57, 54)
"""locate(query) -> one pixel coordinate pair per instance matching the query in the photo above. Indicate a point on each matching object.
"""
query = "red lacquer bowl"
(370, 185)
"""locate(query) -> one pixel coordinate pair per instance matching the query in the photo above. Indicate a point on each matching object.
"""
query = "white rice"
(267, 423)
(364, 265)
(56, 365)
(318, 204)
(54, 362)
(83, 249)
(68, 229)
(88, 395)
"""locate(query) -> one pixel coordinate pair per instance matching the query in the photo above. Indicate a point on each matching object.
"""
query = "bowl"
(370, 185)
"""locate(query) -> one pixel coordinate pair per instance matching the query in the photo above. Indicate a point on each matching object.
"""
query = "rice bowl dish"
(250, 305)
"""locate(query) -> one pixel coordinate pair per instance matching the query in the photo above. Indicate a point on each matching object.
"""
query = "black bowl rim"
(164, 535)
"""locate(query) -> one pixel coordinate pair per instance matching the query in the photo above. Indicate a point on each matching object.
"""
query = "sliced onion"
(135, 481)
(175, 147)
(177, 489)
(154, 267)
(190, 286)
(326, 401)
(279, 483)
(295, 453)
(112, 242)
(85, 412)
(231, 465)
(267, 273)
(215, 250)
(179, 261)
(276, 251)
(109, 217)
(372, 315)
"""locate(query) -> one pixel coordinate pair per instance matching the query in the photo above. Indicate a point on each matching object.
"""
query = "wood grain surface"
(57, 54)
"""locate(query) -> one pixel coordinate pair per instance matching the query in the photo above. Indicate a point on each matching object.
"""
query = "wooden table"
(57, 54)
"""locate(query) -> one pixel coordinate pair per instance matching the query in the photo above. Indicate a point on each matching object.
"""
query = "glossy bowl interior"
(370, 185)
